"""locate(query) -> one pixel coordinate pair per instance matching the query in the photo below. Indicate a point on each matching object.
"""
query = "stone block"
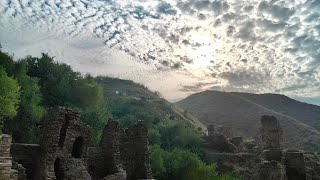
(273, 154)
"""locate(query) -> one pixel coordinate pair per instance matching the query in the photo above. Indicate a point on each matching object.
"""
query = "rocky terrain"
(242, 112)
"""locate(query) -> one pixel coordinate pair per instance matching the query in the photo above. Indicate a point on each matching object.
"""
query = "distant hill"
(135, 98)
(242, 111)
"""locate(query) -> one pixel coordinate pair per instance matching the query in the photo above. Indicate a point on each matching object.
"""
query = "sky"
(176, 47)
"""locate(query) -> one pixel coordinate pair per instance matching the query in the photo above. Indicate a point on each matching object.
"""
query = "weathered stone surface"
(271, 132)
(21, 171)
(271, 170)
(295, 165)
(134, 152)
(228, 132)
(6, 170)
(64, 137)
(219, 143)
(211, 129)
(74, 169)
(121, 175)
(106, 159)
(28, 155)
(273, 154)
(236, 140)
(312, 161)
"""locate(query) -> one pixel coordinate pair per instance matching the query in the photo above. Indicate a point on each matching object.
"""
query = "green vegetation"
(30, 85)
(9, 96)
(44, 83)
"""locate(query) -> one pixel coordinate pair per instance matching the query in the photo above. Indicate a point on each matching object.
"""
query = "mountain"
(127, 98)
(242, 112)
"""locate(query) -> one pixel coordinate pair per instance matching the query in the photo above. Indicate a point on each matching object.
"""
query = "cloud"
(251, 45)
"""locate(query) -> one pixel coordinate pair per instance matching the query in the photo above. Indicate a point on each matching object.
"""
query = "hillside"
(134, 98)
(243, 111)
(306, 113)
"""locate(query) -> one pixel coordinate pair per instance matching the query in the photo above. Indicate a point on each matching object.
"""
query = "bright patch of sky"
(177, 47)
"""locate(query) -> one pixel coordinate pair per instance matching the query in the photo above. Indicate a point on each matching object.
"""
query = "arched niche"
(77, 147)
(58, 169)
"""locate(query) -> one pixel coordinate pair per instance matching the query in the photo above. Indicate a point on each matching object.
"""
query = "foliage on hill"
(46, 83)
(9, 95)
(182, 164)
(177, 151)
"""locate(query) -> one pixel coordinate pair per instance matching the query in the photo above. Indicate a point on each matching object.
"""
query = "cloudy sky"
(177, 47)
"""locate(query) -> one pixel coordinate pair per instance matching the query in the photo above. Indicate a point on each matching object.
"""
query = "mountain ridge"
(242, 112)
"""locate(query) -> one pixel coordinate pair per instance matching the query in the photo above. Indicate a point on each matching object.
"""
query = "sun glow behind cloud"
(251, 45)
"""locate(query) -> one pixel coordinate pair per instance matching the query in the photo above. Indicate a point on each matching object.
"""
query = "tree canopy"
(9, 95)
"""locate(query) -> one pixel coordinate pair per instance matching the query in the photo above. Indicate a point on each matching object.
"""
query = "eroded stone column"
(271, 170)
(295, 165)
(6, 171)
(134, 152)
(271, 133)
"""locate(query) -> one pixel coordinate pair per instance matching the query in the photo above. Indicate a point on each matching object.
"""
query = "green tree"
(61, 86)
(9, 96)
(179, 164)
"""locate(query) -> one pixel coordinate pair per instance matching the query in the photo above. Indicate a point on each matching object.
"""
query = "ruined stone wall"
(106, 159)
(271, 132)
(63, 137)
(6, 171)
(64, 153)
(28, 155)
(278, 163)
(134, 152)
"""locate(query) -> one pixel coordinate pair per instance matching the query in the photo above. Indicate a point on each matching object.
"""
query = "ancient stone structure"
(63, 144)
(64, 152)
(123, 153)
(271, 132)
(280, 164)
(295, 165)
(271, 170)
(6, 171)
(218, 141)
(106, 160)
(134, 151)
(28, 156)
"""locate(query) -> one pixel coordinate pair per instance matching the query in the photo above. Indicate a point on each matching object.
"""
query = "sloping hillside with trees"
(30, 85)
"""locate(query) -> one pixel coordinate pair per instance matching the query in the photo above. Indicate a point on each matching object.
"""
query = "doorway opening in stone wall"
(58, 169)
(77, 147)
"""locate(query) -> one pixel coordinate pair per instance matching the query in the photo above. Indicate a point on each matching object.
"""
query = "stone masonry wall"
(6, 171)
(28, 155)
(63, 138)
(106, 159)
(134, 152)
(271, 132)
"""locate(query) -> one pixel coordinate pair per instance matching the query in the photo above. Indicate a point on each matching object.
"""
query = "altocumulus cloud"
(250, 45)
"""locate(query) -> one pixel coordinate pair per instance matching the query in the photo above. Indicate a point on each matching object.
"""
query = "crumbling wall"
(6, 171)
(279, 164)
(64, 153)
(63, 137)
(295, 165)
(28, 155)
(106, 159)
(271, 170)
(271, 132)
(134, 152)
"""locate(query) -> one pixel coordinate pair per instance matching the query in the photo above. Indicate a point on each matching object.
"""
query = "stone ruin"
(266, 162)
(284, 164)
(271, 133)
(65, 151)
(223, 139)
